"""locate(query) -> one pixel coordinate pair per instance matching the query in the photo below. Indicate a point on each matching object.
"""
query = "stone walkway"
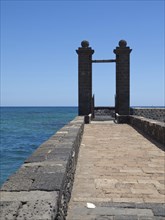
(121, 172)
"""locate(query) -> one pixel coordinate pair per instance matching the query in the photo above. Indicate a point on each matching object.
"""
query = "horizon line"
(71, 106)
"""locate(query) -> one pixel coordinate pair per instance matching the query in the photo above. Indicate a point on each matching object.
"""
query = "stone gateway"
(122, 97)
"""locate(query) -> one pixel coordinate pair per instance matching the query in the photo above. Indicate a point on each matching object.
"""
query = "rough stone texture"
(86, 102)
(121, 172)
(116, 211)
(9, 210)
(153, 128)
(152, 113)
(121, 119)
(85, 78)
(41, 188)
(29, 205)
(99, 111)
(122, 102)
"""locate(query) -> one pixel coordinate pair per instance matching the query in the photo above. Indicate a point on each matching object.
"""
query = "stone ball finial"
(85, 44)
(122, 43)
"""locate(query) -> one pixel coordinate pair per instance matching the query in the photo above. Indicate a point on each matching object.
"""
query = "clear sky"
(39, 38)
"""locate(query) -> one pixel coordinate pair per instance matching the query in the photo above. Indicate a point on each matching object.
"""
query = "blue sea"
(23, 129)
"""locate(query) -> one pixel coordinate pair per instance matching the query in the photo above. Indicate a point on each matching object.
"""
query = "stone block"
(154, 129)
(32, 192)
(126, 217)
(48, 178)
(9, 210)
(34, 158)
(29, 205)
(48, 182)
(120, 205)
(151, 113)
(159, 210)
(21, 180)
(113, 211)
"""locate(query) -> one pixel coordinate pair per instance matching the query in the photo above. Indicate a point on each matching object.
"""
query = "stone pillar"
(122, 78)
(84, 78)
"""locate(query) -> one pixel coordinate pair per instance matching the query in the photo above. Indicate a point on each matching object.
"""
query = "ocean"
(23, 129)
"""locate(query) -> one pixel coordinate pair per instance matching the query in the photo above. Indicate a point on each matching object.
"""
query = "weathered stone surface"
(48, 178)
(9, 210)
(122, 101)
(67, 143)
(85, 80)
(21, 180)
(37, 210)
(121, 172)
(153, 128)
(159, 210)
(151, 113)
(29, 205)
(59, 151)
(158, 218)
(121, 205)
(42, 179)
(35, 158)
(41, 188)
(114, 211)
(126, 217)
(48, 182)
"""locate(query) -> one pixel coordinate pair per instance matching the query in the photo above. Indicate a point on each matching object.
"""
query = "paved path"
(121, 172)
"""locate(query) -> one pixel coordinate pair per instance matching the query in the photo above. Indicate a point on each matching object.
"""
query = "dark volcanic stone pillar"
(85, 78)
(122, 78)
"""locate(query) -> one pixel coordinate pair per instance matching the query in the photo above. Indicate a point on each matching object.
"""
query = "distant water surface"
(23, 129)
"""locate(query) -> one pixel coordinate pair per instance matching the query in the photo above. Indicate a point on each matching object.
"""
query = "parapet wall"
(152, 113)
(41, 188)
(153, 128)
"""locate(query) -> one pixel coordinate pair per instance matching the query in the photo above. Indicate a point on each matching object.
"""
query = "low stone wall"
(41, 188)
(153, 128)
(104, 111)
(152, 113)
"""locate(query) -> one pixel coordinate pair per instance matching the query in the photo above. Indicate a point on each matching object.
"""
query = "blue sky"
(39, 39)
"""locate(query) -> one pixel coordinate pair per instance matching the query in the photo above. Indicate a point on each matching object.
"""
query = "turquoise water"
(23, 129)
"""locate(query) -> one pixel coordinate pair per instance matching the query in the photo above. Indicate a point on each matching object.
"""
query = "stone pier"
(121, 172)
(119, 168)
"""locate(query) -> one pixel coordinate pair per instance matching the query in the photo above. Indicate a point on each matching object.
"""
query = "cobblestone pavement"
(121, 172)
